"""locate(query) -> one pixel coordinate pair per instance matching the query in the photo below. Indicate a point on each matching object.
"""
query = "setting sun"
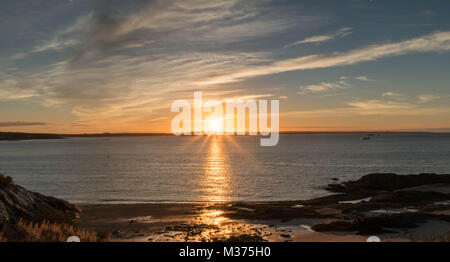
(213, 126)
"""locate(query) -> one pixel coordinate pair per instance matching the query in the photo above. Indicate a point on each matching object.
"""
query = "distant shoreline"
(16, 136)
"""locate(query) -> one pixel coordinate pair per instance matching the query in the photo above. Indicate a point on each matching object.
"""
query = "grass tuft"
(48, 232)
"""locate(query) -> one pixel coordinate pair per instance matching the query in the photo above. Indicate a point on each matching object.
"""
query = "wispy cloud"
(324, 86)
(394, 95)
(383, 110)
(323, 38)
(168, 22)
(15, 87)
(435, 42)
(425, 98)
(379, 105)
(56, 44)
(18, 56)
(364, 78)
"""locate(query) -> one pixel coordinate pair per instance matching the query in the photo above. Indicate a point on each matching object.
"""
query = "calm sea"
(166, 168)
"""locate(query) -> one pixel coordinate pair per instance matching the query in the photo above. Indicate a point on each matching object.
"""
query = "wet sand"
(179, 222)
(173, 222)
(188, 222)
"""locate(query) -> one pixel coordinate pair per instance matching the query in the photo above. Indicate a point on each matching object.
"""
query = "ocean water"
(192, 169)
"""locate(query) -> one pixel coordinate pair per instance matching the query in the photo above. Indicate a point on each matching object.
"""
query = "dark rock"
(388, 182)
(285, 235)
(335, 226)
(378, 224)
(408, 197)
(17, 203)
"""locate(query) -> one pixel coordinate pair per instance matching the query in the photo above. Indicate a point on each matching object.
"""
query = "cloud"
(55, 44)
(323, 38)
(247, 97)
(135, 89)
(394, 95)
(435, 42)
(18, 56)
(62, 39)
(15, 87)
(379, 105)
(18, 123)
(324, 86)
(373, 107)
(79, 25)
(364, 78)
(427, 98)
(169, 22)
(385, 110)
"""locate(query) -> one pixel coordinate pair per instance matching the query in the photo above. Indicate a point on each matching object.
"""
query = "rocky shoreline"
(25, 209)
(374, 204)
(406, 207)
(17, 203)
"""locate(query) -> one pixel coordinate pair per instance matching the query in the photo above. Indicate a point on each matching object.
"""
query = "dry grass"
(49, 232)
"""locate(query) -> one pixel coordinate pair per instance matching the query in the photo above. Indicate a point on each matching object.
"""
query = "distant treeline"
(11, 136)
(116, 134)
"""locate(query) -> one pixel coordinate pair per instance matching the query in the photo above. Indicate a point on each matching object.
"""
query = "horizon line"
(171, 134)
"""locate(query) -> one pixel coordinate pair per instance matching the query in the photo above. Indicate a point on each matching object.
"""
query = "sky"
(84, 66)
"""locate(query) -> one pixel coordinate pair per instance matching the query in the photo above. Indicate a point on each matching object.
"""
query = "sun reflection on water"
(216, 181)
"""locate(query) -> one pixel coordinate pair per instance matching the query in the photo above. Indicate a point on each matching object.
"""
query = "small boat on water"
(365, 138)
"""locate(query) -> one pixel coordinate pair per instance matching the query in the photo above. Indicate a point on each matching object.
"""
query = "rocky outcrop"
(387, 182)
(17, 203)
(373, 204)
